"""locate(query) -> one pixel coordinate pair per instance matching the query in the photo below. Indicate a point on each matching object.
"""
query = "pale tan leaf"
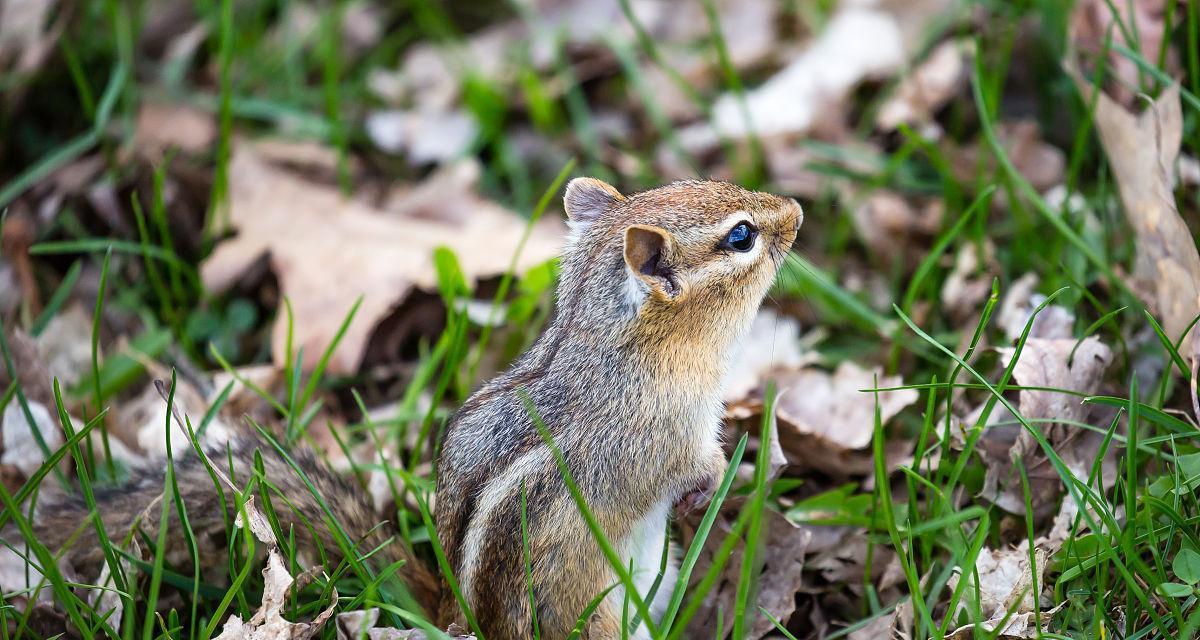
(268, 622)
(826, 419)
(328, 252)
(163, 126)
(930, 86)
(1142, 150)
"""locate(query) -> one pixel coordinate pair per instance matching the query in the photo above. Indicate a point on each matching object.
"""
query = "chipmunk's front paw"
(696, 497)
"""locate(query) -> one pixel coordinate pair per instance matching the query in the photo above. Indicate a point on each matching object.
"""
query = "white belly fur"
(645, 547)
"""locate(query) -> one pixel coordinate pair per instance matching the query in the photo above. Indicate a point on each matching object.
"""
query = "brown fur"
(629, 390)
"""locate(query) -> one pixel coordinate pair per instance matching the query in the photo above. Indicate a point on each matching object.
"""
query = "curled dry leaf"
(328, 252)
(162, 127)
(268, 622)
(826, 421)
(360, 625)
(27, 34)
(929, 87)
(1018, 305)
(65, 345)
(888, 223)
(896, 623)
(21, 448)
(858, 43)
(142, 425)
(1049, 363)
(1142, 150)
(970, 280)
(861, 41)
(423, 136)
(258, 523)
(1042, 164)
(1006, 584)
(1093, 22)
(773, 342)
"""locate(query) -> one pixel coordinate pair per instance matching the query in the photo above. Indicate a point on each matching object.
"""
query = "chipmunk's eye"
(741, 237)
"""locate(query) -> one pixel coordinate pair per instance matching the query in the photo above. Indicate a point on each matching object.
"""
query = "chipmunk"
(655, 290)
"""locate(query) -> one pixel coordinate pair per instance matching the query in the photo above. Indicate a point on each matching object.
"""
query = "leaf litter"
(287, 214)
(329, 251)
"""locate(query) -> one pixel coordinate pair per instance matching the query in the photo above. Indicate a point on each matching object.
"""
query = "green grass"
(1129, 567)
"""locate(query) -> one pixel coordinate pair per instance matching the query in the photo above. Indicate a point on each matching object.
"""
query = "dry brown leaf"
(1093, 22)
(1006, 584)
(1042, 164)
(162, 127)
(268, 622)
(861, 41)
(357, 625)
(930, 86)
(328, 252)
(969, 282)
(785, 546)
(895, 624)
(1019, 303)
(773, 342)
(21, 448)
(826, 421)
(27, 35)
(258, 523)
(65, 345)
(1048, 363)
(1142, 150)
(10, 291)
(888, 223)
(141, 423)
(424, 137)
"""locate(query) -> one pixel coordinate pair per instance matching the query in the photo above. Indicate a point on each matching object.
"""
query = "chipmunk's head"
(694, 254)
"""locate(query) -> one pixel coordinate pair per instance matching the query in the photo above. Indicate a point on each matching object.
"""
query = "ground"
(967, 409)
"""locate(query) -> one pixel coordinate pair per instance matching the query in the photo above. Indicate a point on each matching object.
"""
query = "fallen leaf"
(1049, 363)
(861, 41)
(21, 448)
(424, 137)
(268, 622)
(10, 291)
(328, 252)
(969, 282)
(1042, 164)
(141, 423)
(826, 420)
(162, 127)
(1005, 584)
(65, 345)
(896, 624)
(1093, 22)
(257, 522)
(357, 625)
(27, 35)
(929, 87)
(783, 553)
(1018, 305)
(1142, 150)
(888, 223)
(773, 342)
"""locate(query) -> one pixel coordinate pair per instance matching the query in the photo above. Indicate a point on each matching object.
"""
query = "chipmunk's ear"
(587, 198)
(647, 254)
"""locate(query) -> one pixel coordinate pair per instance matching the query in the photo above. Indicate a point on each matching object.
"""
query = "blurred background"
(366, 196)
